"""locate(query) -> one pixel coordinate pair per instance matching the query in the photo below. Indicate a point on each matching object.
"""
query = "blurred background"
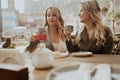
(21, 18)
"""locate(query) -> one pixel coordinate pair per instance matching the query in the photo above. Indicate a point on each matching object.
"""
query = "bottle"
(7, 43)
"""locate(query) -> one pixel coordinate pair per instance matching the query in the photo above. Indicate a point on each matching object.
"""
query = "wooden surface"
(113, 60)
(13, 72)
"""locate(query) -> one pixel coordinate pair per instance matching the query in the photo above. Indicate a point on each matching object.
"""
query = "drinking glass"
(62, 47)
(69, 28)
(0, 43)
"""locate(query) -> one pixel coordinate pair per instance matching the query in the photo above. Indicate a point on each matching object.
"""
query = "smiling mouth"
(51, 21)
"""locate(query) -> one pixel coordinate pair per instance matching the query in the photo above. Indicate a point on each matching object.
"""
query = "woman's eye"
(51, 15)
(48, 15)
(81, 10)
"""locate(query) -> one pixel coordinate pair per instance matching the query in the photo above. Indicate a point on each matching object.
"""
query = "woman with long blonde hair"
(54, 28)
(93, 36)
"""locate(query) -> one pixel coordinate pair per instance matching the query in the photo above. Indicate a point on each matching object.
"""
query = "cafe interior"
(20, 59)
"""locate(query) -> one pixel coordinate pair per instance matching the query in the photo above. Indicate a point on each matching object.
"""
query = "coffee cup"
(69, 28)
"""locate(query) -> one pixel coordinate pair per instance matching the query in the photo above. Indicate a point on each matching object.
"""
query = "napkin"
(11, 56)
(84, 72)
(103, 72)
(87, 71)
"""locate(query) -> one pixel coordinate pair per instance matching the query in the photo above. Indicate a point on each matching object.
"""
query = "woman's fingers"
(32, 38)
(68, 35)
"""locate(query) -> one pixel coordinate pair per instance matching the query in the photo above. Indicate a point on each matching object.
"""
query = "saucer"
(82, 54)
(58, 54)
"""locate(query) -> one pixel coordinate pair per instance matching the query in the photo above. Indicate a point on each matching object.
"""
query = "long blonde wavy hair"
(93, 9)
(60, 22)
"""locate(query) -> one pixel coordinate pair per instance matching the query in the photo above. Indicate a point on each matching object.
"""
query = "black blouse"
(90, 45)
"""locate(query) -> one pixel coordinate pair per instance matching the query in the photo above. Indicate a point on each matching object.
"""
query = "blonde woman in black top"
(93, 36)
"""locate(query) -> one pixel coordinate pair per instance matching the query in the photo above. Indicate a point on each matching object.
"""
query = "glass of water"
(62, 47)
(0, 43)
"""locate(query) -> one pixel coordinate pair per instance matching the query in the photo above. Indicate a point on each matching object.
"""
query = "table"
(113, 60)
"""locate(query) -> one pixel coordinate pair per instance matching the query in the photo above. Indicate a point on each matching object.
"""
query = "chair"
(116, 46)
(20, 33)
(10, 60)
(12, 56)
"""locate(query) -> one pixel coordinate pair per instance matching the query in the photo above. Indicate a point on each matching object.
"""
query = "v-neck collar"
(49, 39)
(86, 40)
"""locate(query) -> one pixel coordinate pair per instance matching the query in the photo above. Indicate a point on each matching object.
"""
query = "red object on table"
(41, 36)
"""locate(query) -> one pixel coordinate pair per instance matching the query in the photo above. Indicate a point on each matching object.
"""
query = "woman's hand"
(32, 38)
(68, 35)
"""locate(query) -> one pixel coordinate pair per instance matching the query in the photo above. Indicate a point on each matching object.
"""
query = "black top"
(86, 45)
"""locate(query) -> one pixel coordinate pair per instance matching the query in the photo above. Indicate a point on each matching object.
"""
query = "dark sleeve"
(109, 42)
(72, 47)
(108, 45)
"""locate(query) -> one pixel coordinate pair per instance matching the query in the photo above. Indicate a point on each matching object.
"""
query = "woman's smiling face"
(51, 17)
(83, 15)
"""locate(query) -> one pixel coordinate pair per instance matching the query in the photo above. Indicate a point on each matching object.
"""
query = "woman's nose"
(51, 17)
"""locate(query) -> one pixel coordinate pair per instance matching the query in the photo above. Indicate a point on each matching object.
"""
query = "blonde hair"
(60, 22)
(93, 9)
